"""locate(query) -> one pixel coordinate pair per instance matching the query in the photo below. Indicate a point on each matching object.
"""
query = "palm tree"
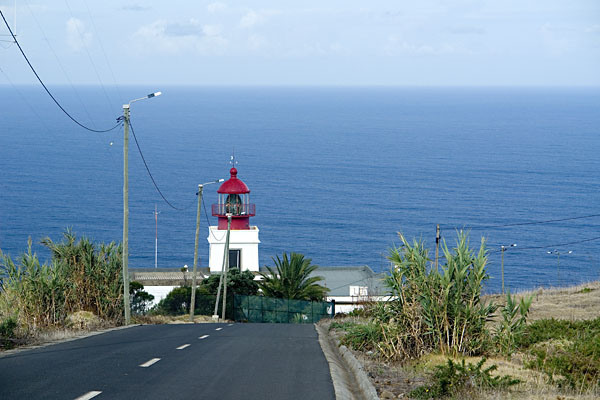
(292, 279)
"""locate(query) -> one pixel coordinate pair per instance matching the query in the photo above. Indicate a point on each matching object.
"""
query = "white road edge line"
(218, 329)
(89, 395)
(183, 346)
(203, 337)
(150, 362)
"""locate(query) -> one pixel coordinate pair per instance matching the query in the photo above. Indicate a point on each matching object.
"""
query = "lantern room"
(234, 198)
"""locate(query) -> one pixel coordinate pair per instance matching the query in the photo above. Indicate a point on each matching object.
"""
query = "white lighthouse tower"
(234, 198)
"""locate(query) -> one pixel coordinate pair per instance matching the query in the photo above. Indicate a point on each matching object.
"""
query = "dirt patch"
(571, 303)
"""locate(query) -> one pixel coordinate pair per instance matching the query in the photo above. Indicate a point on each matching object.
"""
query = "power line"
(527, 223)
(45, 88)
(88, 52)
(150, 174)
(208, 224)
(81, 102)
(103, 51)
(551, 245)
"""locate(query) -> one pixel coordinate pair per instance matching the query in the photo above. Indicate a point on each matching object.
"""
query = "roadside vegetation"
(439, 325)
(80, 288)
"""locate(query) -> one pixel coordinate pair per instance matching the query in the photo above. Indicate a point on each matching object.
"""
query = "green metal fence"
(267, 309)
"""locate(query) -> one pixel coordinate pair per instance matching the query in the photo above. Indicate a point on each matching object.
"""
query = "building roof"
(165, 276)
(233, 185)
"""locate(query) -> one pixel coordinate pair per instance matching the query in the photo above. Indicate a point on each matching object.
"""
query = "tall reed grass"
(436, 309)
(80, 276)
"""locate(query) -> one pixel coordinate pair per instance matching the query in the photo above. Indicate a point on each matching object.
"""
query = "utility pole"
(225, 262)
(558, 262)
(226, 267)
(126, 213)
(437, 245)
(193, 299)
(502, 250)
(126, 204)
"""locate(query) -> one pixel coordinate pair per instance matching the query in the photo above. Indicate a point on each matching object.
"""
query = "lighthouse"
(234, 199)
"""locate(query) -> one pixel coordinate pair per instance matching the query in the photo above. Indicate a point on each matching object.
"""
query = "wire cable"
(208, 224)
(85, 46)
(150, 174)
(548, 246)
(103, 51)
(45, 88)
(527, 223)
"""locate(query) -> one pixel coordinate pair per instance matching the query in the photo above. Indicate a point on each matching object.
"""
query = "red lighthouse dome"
(234, 198)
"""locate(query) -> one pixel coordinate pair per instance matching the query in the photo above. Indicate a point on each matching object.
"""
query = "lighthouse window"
(233, 204)
(234, 258)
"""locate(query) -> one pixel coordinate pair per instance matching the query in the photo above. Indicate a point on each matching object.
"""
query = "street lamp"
(126, 203)
(558, 253)
(193, 299)
(502, 250)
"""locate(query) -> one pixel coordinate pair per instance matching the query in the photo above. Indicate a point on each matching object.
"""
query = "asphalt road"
(201, 361)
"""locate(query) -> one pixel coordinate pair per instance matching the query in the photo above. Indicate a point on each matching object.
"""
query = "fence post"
(332, 308)
(312, 312)
(262, 310)
(288, 313)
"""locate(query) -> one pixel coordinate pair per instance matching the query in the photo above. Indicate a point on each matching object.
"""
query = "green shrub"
(567, 351)
(177, 301)
(140, 300)
(237, 282)
(452, 378)
(7, 332)
(362, 336)
(512, 325)
(342, 326)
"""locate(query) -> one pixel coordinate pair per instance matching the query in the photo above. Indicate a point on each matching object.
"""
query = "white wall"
(245, 240)
(159, 292)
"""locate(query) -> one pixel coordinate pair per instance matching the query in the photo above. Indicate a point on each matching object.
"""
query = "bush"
(452, 378)
(237, 282)
(140, 299)
(177, 302)
(567, 351)
(512, 325)
(7, 332)
(361, 337)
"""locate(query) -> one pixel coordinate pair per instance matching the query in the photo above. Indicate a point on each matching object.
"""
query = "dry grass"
(571, 303)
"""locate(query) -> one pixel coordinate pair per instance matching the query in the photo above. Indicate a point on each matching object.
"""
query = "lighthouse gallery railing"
(246, 210)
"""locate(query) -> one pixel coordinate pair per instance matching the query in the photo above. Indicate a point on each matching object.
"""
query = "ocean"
(335, 172)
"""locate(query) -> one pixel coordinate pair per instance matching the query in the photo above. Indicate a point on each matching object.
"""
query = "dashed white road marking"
(203, 337)
(218, 329)
(229, 324)
(89, 395)
(150, 362)
(183, 346)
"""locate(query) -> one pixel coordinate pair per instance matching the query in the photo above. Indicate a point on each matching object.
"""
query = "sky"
(325, 42)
